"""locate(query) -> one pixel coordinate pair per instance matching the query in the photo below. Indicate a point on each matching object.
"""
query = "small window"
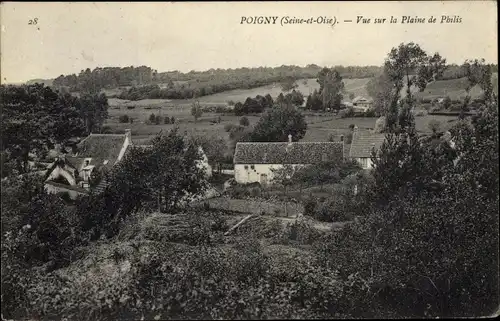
(324, 158)
(364, 162)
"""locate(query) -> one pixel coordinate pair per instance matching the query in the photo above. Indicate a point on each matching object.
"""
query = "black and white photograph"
(249, 160)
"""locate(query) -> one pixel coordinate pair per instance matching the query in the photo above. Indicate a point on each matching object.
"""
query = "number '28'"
(33, 21)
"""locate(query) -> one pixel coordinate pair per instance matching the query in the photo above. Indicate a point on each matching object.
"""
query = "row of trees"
(421, 70)
(108, 77)
(114, 77)
(35, 117)
(253, 105)
(331, 91)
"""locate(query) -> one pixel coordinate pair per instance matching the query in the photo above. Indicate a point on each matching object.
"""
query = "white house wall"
(369, 163)
(57, 172)
(249, 175)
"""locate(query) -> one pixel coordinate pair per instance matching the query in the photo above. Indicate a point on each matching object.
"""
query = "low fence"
(251, 206)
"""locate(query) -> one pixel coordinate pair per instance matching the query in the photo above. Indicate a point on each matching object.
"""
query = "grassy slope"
(320, 127)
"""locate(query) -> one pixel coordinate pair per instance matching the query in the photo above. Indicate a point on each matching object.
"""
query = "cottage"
(84, 168)
(363, 143)
(255, 162)
(362, 104)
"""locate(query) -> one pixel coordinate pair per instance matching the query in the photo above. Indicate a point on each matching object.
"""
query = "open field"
(320, 125)
(455, 88)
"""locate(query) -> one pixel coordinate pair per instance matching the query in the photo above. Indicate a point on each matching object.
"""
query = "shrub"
(370, 113)
(310, 206)
(346, 113)
(244, 121)
(106, 130)
(434, 125)
(302, 232)
(228, 127)
(151, 119)
(172, 120)
(123, 119)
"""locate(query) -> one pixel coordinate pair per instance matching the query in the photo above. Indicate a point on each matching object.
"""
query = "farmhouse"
(362, 145)
(362, 104)
(83, 169)
(255, 162)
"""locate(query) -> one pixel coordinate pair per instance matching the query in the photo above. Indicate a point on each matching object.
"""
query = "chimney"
(289, 138)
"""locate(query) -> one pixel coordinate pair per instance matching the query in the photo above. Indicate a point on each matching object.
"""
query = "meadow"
(320, 126)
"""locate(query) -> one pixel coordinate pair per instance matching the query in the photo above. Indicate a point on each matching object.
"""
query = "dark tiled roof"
(288, 153)
(99, 147)
(361, 99)
(364, 142)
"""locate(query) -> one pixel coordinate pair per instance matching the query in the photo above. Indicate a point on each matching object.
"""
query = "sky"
(70, 37)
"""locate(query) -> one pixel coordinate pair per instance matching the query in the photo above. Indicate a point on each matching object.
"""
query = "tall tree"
(94, 110)
(409, 65)
(276, 124)
(160, 176)
(380, 88)
(34, 118)
(332, 91)
(196, 111)
(288, 84)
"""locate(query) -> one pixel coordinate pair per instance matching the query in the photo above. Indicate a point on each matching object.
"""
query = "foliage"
(295, 98)
(35, 117)
(409, 65)
(159, 176)
(276, 124)
(326, 172)
(331, 88)
(380, 89)
(288, 84)
(427, 225)
(154, 119)
(196, 111)
(314, 101)
(123, 119)
(214, 147)
(244, 121)
(434, 125)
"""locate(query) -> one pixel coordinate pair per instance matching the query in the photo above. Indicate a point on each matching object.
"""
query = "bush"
(123, 119)
(346, 113)
(153, 119)
(228, 127)
(434, 125)
(370, 113)
(244, 121)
